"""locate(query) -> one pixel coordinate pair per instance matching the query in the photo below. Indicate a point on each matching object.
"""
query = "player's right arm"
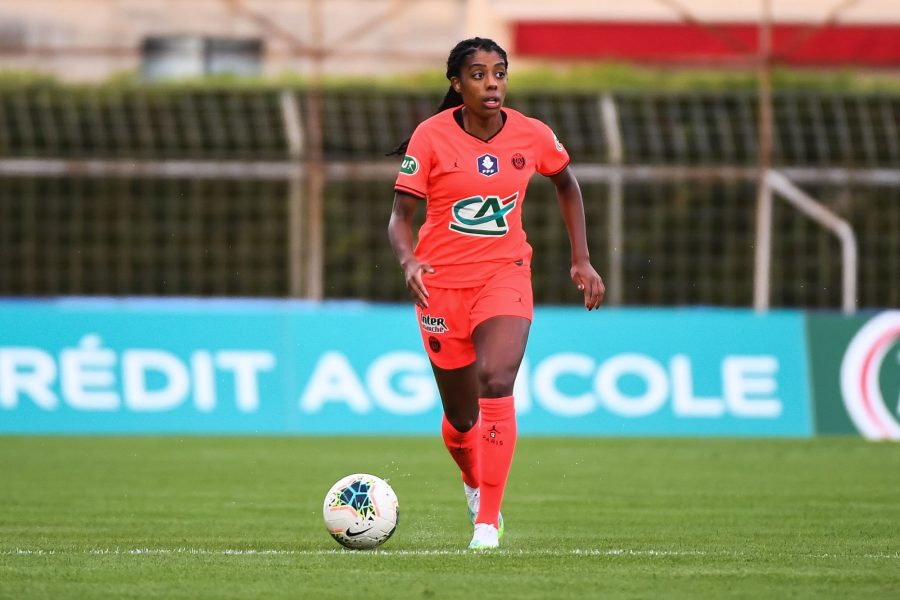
(401, 236)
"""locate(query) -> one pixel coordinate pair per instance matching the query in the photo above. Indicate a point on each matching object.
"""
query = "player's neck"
(483, 128)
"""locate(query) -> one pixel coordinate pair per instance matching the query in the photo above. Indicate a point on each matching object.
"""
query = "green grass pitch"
(220, 517)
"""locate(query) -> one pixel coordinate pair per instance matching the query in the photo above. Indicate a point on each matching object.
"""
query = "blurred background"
(730, 154)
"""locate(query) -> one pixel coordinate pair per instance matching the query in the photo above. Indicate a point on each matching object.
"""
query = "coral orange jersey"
(474, 190)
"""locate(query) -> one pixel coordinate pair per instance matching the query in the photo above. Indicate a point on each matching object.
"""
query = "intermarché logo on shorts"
(434, 324)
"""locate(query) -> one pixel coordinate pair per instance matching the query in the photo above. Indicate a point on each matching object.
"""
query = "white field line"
(340, 552)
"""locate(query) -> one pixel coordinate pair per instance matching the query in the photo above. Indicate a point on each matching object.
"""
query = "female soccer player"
(470, 272)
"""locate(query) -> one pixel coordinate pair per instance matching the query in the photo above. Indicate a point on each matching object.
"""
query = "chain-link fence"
(171, 191)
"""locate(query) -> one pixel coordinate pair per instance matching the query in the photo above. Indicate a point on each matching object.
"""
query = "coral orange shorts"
(454, 313)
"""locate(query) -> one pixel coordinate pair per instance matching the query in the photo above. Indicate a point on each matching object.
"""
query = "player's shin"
(498, 441)
(463, 448)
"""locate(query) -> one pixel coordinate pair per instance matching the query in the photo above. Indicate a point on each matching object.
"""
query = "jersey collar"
(458, 117)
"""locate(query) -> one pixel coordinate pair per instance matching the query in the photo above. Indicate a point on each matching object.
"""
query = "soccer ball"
(361, 511)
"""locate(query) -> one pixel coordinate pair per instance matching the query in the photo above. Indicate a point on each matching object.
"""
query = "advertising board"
(272, 367)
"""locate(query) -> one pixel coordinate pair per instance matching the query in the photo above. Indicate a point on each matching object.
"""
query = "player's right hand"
(412, 272)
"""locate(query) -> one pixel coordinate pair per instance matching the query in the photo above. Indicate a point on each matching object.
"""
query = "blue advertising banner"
(217, 366)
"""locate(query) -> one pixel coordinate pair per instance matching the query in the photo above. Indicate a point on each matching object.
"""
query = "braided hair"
(455, 62)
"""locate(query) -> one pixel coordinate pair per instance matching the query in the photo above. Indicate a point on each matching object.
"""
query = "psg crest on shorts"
(487, 165)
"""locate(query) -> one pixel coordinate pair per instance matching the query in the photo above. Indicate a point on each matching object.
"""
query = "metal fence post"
(763, 251)
(763, 256)
(290, 112)
(616, 209)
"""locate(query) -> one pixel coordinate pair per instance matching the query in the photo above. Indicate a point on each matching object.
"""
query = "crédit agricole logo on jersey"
(480, 215)
(870, 377)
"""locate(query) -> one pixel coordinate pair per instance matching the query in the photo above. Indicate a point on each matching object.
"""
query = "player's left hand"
(588, 282)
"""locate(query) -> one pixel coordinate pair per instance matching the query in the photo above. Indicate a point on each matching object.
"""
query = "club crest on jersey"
(434, 324)
(488, 165)
(479, 215)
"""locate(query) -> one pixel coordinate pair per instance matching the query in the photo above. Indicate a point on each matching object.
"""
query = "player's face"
(482, 83)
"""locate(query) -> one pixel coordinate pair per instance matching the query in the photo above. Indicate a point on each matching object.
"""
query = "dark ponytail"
(455, 63)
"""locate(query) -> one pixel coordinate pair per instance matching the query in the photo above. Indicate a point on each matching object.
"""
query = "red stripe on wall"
(873, 45)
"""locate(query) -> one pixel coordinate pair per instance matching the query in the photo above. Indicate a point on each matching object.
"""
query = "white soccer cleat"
(472, 498)
(486, 537)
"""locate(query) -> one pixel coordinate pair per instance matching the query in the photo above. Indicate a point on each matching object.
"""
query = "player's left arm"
(572, 205)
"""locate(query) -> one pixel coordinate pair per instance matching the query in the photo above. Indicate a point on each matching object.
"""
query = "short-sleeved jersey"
(474, 190)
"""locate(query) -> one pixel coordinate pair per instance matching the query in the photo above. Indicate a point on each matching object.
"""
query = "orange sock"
(498, 441)
(463, 447)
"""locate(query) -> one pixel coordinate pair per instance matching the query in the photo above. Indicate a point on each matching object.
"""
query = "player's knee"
(462, 422)
(463, 419)
(496, 383)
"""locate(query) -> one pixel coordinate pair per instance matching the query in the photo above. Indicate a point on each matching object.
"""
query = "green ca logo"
(479, 215)
(870, 378)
